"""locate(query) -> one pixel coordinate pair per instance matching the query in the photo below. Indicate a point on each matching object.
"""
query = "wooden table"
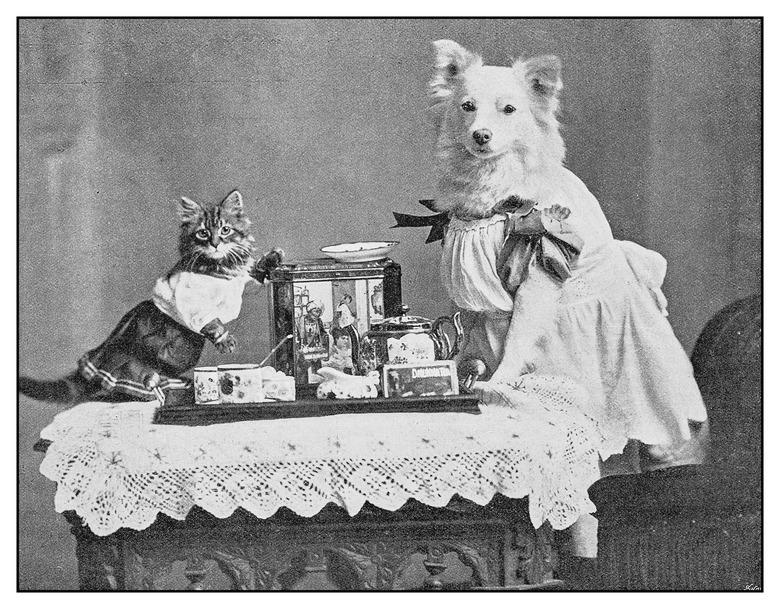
(462, 546)
(417, 547)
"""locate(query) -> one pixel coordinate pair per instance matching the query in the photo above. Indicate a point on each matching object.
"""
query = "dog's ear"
(543, 76)
(451, 61)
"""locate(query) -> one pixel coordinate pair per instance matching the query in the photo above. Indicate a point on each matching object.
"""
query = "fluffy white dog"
(529, 255)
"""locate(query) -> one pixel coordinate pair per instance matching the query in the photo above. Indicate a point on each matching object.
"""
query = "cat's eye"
(202, 234)
(225, 230)
(509, 109)
(468, 106)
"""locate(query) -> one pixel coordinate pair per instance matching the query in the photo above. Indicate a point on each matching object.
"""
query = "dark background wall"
(322, 126)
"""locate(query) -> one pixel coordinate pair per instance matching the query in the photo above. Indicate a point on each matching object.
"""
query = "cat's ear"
(233, 203)
(189, 210)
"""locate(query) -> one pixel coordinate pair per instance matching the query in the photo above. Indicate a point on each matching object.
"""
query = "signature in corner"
(752, 588)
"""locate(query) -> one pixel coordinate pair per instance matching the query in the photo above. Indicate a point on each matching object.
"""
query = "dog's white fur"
(525, 144)
(524, 157)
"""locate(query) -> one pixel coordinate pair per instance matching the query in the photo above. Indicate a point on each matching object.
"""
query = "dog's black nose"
(482, 136)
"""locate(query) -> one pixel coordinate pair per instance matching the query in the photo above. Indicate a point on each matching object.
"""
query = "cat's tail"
(70, 389)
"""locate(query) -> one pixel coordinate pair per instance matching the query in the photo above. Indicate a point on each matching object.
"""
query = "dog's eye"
(509, 109)
(468, 106)
(202, 234)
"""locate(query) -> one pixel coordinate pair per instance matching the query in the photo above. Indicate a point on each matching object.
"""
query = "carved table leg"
(100, 560)
(536, 555)
(316, 561)
(100, 565)
(434, 564)
(196, 571)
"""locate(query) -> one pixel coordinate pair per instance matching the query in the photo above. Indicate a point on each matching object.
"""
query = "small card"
(420, 379)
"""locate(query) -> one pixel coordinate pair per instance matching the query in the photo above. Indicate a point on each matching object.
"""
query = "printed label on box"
(420, 379)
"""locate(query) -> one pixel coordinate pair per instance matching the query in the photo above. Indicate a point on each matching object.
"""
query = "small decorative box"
(281, 388)
(327, 307)
(420, 379)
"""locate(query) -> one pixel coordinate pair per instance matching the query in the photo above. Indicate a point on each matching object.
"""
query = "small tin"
(206, 385)
(277, 386)
(420, 379)
(240, 383)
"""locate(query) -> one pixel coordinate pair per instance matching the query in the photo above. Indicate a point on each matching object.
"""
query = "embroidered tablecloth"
(115, 468)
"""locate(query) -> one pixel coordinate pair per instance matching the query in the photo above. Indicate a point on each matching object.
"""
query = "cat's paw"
(272, 259)
(227, 344)
(266, 264)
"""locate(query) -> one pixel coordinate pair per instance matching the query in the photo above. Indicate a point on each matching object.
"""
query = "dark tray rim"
(179, 410)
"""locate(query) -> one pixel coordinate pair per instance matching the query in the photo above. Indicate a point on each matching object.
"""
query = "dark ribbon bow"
(437, 222)
(440, 221)
(515, 204)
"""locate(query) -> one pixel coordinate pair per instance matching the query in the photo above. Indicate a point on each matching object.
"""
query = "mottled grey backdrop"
(322, 126)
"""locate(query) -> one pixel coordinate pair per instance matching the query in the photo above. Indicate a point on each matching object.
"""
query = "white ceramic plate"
(362, 251)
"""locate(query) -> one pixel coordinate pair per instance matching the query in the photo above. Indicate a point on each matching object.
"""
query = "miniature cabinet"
(326, 307)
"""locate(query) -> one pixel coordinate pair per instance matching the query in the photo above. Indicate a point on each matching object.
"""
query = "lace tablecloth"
(114, 468)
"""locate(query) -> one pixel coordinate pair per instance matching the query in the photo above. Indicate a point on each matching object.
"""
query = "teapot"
(407, 339)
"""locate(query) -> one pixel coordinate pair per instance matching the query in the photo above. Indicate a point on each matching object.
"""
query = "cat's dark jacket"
(160, 340)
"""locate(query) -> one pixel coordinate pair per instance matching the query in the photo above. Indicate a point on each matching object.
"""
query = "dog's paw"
(557, 212)
(527, 368)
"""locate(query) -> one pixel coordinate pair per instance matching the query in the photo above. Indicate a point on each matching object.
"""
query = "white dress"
(606, 325)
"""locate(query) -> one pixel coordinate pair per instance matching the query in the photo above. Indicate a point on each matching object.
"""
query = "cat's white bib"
(194, 299)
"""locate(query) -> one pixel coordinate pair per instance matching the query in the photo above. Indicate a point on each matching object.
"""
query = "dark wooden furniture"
(697, 527)
(462, 546)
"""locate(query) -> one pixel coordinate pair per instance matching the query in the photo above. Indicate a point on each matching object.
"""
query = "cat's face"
(216, 238)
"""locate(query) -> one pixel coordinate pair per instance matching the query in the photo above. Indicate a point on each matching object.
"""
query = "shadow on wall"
(321, 124)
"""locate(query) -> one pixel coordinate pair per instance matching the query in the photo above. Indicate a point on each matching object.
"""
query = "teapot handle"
(446, 347)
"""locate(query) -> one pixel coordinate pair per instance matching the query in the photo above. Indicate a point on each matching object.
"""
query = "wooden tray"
(180, 407)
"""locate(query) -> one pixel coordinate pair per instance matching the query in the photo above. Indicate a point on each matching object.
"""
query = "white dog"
(529, 255)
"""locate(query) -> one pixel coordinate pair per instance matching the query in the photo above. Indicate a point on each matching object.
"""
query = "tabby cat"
(161, 339)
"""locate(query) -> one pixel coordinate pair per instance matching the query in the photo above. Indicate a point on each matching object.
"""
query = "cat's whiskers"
(193, 261)
(237, 262)
(238, 254)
